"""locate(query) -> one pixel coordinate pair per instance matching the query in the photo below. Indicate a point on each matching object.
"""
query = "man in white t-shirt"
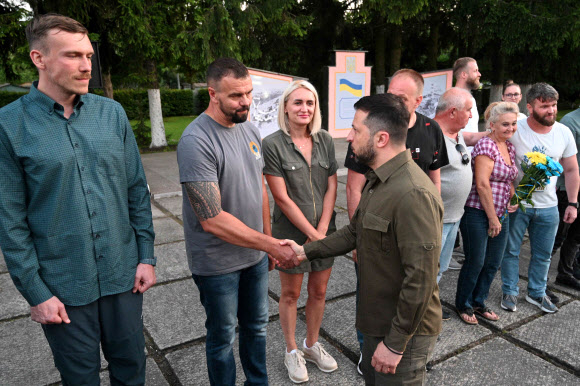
(467, 76)
(539, 132)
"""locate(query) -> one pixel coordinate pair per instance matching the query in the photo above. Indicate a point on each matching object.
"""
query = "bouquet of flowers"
(537, 168)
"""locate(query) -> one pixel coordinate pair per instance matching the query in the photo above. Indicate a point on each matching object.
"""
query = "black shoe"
(568, 281)
(445, 315)
(553, 298)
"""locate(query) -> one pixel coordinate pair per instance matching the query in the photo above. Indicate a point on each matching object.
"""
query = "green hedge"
(7, 97)
(135, 102)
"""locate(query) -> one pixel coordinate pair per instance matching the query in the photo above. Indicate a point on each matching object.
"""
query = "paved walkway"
(526, 347)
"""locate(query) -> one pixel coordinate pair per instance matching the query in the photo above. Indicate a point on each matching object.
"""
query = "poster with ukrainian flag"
(349, 81)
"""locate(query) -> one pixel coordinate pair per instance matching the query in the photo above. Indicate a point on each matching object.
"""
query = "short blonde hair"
(494, 110)
(316, 122)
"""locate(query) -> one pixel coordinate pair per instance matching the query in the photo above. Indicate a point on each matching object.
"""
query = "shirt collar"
(385, 171)
(47, 103)
(289, 139)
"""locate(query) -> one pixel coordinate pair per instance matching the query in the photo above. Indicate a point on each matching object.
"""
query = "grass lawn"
(174, 127)
(561, 113)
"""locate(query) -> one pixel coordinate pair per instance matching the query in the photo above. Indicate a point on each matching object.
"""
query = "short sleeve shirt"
(426, 142)
(558, 143)
(306, 184)
(232, 157)
(501, 176)
(572, 121)
(456, 178)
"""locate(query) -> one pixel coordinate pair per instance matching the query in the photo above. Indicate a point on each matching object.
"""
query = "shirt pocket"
(295, 175)
(376, 232)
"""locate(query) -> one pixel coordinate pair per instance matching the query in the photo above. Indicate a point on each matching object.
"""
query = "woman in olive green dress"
(300, 168)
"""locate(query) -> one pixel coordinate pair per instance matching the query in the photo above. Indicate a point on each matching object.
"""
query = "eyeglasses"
(464, 157)
(514, 95)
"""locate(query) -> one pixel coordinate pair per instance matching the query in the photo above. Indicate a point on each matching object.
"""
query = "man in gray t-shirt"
(453, 113)
(227, 223)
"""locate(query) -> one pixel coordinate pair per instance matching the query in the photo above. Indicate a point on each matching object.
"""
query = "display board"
(436, 82)
(348, 81)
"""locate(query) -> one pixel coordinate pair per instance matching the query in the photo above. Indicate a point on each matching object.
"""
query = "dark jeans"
(236, 298)
(410, 370)
(568, 237)
(483, 256)
(114, 322)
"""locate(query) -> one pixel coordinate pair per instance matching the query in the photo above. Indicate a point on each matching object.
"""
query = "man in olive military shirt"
(396, 230)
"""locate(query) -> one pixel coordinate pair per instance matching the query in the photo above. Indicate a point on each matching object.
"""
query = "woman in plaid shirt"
(484, 225)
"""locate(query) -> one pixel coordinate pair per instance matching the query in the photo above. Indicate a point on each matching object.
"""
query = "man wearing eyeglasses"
(452, 114)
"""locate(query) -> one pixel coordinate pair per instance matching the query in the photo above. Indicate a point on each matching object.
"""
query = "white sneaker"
(318, 355)
(358, 366)
(296, 366)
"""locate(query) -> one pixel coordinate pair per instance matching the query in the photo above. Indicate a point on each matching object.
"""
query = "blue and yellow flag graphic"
(353, 88)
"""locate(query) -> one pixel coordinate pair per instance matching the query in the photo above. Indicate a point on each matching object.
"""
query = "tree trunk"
(380, 50)
(158, 139)
(107, 84)
(433, 47)
(396, 48)
(495, 93)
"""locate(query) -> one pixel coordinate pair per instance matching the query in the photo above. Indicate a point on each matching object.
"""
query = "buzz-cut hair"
(222, 67)
(38, 28)
(460, 65)
(414, 76)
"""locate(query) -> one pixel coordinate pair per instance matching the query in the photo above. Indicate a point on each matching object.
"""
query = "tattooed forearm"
(205, 198)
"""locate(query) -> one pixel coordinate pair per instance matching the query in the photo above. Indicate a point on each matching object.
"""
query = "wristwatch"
(574, 204)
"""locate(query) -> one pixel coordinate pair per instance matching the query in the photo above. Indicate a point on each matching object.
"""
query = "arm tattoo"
(205, 199)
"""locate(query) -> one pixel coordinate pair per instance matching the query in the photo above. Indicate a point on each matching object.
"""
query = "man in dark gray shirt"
(225, 211)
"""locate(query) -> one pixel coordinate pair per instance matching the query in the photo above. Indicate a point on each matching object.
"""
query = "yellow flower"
(536, 157)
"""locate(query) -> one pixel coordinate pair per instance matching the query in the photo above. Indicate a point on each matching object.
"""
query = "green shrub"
(7, 97)
(202, 100)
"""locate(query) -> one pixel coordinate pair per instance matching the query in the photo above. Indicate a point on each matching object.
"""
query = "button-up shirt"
(396, 231)
(75, 214)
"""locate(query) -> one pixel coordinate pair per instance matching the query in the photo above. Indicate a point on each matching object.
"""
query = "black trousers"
(114, 322)
(568, 237)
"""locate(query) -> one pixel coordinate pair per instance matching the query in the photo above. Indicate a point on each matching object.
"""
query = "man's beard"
(234, 117)
(366, 155)
(473, 84)
(543, 121)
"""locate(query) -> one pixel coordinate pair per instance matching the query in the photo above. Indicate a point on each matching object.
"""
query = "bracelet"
(393, 351)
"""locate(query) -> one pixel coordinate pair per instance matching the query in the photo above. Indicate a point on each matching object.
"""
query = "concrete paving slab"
(339, 323)
(448, 287)
(156, 212)
(172, 204)
(341, 196)
(456, 334)
(3, 267)
(153, 376)
(341, 219)
(171, 262)
(26, 356)
(173, 314)
(494, 363)
(189, 363)
(167, 230)
(563, 288)
(342, 281)
(556, 334)
(12, 304)
(162, 172)
(342, 178)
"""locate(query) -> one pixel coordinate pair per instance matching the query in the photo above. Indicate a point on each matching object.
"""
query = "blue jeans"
(241, 295)
(483, 255)
(447, 244)
(542, 225)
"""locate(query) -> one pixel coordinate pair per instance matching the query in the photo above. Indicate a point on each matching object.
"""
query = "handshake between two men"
(289, 255)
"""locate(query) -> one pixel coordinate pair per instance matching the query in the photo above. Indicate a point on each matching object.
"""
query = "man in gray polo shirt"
(452, 114)
(225, 211)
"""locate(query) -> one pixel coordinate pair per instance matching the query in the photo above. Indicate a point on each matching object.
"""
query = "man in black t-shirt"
(424, 139)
